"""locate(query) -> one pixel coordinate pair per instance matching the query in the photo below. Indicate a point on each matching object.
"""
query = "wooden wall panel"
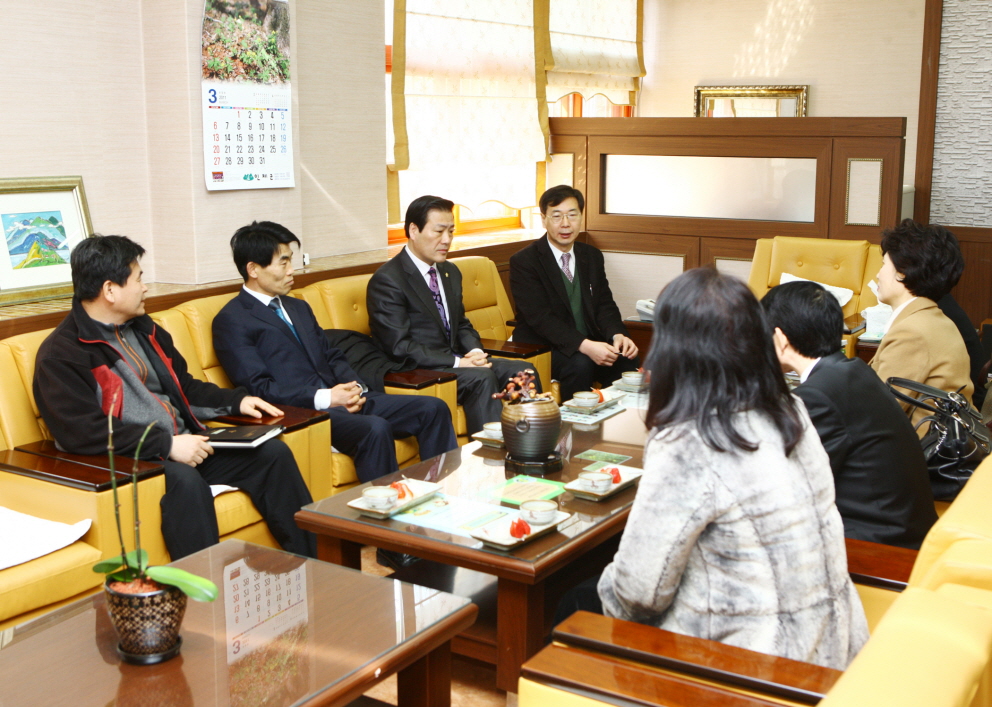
(817, 148)
(712, 248)
(651, 243)
(892, 153)
(974, 291)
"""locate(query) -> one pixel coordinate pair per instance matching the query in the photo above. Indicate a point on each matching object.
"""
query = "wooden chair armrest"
(417, 379)
(47, 448)
(611, 680)
(877, 565)
(701, 658)
(513, 349)
(294, 418)
(62, 471)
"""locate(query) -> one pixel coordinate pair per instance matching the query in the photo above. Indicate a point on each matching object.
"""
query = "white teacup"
(586, 399)
(538, 511)
(493, 429)
(634, 378)
(380, 497)
(595, 481)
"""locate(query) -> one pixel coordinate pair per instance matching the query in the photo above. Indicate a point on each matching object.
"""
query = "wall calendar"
(247, 95)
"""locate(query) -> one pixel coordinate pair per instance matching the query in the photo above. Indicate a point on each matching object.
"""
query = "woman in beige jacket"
(920, 265)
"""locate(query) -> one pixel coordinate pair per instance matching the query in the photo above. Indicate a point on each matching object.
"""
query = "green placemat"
(526, 488)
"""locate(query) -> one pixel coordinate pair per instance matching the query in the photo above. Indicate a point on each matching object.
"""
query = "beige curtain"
(595, 48)
(465, 107)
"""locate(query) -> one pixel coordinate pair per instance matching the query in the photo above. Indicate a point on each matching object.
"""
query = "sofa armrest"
(78, 468)
(513, 349)
(417, 379)
(698, 657)
(58, 471)
(293, 419)
(567, 677)
(877, 565)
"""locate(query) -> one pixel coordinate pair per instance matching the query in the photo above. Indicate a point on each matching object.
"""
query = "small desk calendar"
(260, 606)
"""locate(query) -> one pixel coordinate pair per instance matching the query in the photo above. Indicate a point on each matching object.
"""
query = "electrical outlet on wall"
(306, 259)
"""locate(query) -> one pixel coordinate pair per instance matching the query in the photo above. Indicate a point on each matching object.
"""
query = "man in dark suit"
(880, 473)
(563, 299)
(416, 311)
(269, 342)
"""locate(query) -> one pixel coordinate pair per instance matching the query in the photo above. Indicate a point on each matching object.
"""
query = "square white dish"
(628, 476)
(497, 533)
(422, 490)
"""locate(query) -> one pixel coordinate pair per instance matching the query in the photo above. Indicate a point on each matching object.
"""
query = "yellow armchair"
(848, 264)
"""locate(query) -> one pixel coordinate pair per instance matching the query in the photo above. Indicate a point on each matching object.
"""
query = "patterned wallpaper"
(962, 170)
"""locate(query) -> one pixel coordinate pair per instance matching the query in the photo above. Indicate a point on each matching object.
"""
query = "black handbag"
(956, 441)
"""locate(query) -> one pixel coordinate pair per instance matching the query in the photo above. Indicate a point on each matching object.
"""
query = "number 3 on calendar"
(213, 95)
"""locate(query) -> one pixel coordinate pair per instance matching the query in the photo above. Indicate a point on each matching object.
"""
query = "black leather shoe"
(396, 560)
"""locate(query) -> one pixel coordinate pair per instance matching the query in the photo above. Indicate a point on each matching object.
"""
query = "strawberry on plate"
(614, 472)
(519, 528)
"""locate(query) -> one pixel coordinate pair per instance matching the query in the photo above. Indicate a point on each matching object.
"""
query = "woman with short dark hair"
(920, 264)
(734, 535)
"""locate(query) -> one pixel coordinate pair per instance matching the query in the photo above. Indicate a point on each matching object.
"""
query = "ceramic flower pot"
(530, 429)
(147, 624)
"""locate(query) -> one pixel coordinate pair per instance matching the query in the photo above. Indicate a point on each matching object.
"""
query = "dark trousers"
(367, 437)
(578, 372)
(582, 597)
(476, 386)
(268, 474)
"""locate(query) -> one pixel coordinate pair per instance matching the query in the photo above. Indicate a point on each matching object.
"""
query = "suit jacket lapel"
(296, 313)
(268, 317)
(420, 288)
(549, 261)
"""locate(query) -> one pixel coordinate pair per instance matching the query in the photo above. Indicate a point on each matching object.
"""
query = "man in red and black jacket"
(109, 357)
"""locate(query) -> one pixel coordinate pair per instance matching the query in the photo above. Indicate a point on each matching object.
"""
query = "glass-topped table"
(476, 474)
(284, 631)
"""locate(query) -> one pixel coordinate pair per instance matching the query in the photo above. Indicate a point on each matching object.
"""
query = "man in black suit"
(563, 299)
(269, 342)
(416, 311)
(880, 473)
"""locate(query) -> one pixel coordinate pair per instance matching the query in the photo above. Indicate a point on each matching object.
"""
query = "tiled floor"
(473, 684)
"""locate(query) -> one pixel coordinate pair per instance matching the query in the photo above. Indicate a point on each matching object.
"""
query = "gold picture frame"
(753, 101)
(42, 218)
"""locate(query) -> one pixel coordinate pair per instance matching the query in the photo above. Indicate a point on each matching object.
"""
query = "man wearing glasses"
(563, 299)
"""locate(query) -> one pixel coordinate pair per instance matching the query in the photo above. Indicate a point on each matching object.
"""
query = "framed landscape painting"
(43, 218)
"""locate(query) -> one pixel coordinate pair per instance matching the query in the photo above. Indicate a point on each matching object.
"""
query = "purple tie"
(436, 291)
(565, 257)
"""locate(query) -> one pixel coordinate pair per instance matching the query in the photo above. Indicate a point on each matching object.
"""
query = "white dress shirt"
(424, 269)
(805, 374)
(557, 253)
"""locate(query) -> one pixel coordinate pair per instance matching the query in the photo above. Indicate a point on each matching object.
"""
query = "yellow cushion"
(19, 420)
(48, 579)
(407, 450)
(339, 303)
(849, 264)
(966, 519)
(199, 314)
(928, 650)
(965, 562)
(235, 511)
(536, 694)
(876, 602)
(484, 297)
(834, 262)
(173, 321)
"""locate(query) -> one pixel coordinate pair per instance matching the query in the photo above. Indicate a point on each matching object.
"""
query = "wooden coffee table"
(284, 631)
(516, 629)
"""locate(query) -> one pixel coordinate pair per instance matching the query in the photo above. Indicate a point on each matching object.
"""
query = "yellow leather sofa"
(933, 649)
(40, 585)
(340, 304)
(848, 264)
